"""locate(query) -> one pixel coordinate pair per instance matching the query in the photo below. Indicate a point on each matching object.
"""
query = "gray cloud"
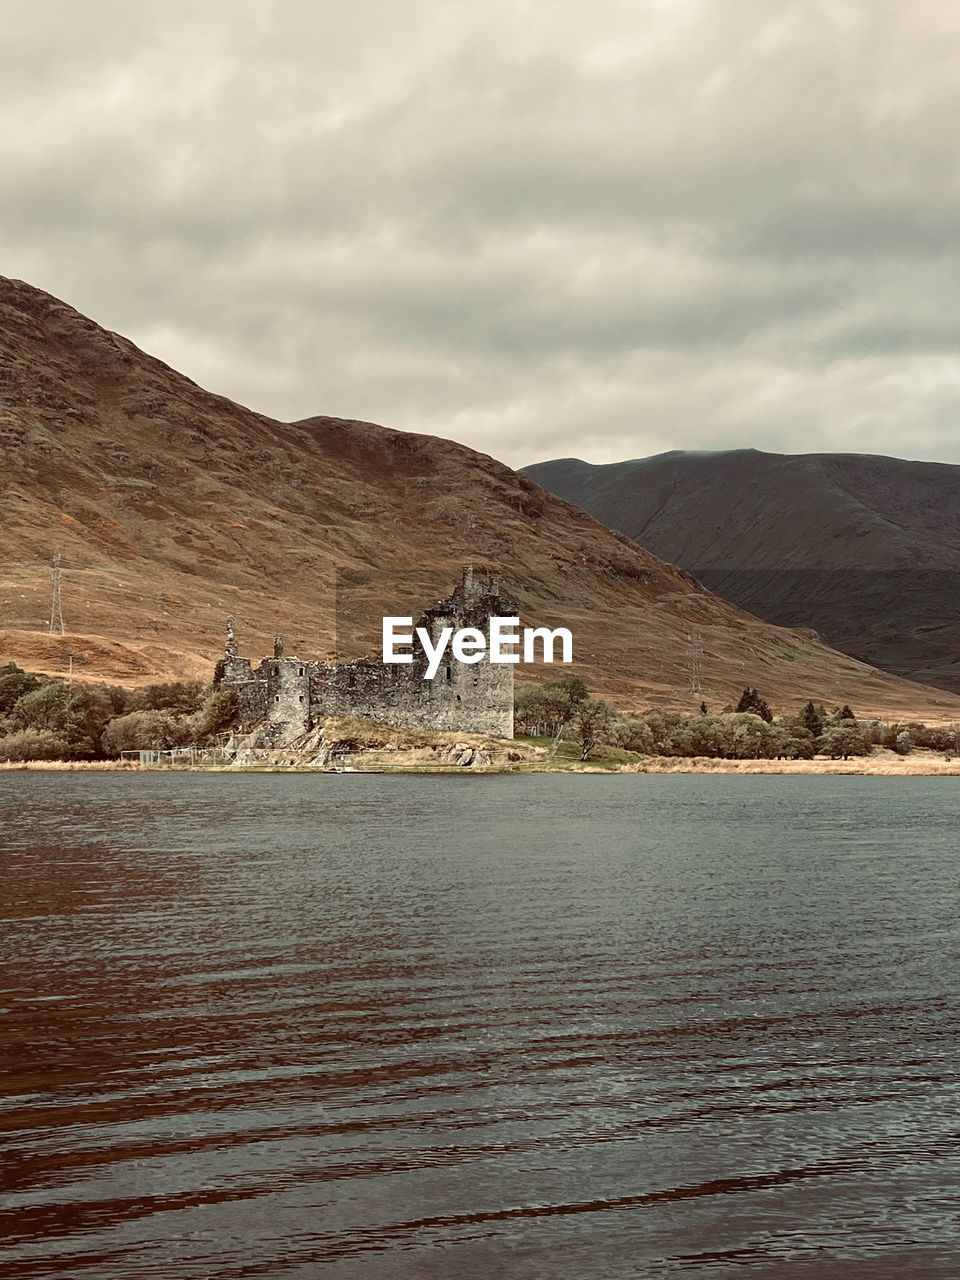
(599, 229)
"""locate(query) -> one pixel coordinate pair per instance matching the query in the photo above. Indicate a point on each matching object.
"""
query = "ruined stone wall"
(462, 698)
(248, 686)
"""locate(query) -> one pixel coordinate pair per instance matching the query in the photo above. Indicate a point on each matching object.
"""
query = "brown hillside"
(174, 507)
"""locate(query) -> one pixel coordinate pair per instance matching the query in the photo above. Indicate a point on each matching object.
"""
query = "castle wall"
(249, 687)
(461, 698)
(477, 699)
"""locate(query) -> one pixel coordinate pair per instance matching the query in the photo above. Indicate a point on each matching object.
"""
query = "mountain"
(866, 550)
(174, 507)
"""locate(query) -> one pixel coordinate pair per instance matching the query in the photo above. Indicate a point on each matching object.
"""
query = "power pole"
(695, 652)
(56, 613)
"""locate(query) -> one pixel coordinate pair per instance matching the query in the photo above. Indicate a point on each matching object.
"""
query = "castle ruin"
(293, 696)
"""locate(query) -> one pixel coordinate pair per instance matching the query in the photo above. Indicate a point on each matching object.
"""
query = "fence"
(180, 755)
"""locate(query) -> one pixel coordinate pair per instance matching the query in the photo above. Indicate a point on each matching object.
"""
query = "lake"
(370, 1027)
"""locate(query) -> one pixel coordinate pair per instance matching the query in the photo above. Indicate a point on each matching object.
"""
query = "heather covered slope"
(864, 549)
(174, 507)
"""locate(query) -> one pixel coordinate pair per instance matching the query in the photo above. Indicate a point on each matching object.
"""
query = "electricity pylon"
(56, 612)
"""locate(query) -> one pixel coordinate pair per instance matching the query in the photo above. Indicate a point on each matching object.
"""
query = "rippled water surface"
(574, 1027)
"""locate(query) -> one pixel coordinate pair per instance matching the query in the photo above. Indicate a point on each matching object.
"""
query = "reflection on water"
(368, 1027)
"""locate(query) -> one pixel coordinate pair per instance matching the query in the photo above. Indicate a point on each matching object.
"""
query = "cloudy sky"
(572, 227)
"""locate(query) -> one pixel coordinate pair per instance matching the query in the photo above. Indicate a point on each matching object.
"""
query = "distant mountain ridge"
(864, 549)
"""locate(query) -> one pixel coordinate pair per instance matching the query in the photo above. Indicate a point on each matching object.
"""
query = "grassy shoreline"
(917, 765)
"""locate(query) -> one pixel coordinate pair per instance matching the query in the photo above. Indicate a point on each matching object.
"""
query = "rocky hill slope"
(174, 507)
(864, 549)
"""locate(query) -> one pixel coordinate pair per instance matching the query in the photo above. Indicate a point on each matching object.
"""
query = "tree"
(544, 709)
(844, 739)
(781, 744)
(746, 736)
(750, 701)
(801, 745)
(670, 733)
(182, 696)
(592, 723)
(60, 709)
(570, 692)
(76, 713)
(14, 683)
(811, 719)
(703, 735)
(116, 698)
(633, 734)
(533, 710)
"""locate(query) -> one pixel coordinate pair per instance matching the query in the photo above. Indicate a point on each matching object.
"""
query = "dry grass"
(886, 765)
(92, 766)
(419, 759)
(372, 734)
(377, 747)
(97, 658)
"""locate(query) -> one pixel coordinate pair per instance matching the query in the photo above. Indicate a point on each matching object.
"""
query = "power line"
(56, 612)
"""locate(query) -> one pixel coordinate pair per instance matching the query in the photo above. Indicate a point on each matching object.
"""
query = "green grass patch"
(568, 753)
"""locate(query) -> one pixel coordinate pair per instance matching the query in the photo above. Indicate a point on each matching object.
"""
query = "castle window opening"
(301, 672)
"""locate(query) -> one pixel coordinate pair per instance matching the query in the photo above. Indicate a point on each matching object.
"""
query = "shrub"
(219, 711)
(144, 731)
(32, 744)
(936, 738)
(728, 736)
